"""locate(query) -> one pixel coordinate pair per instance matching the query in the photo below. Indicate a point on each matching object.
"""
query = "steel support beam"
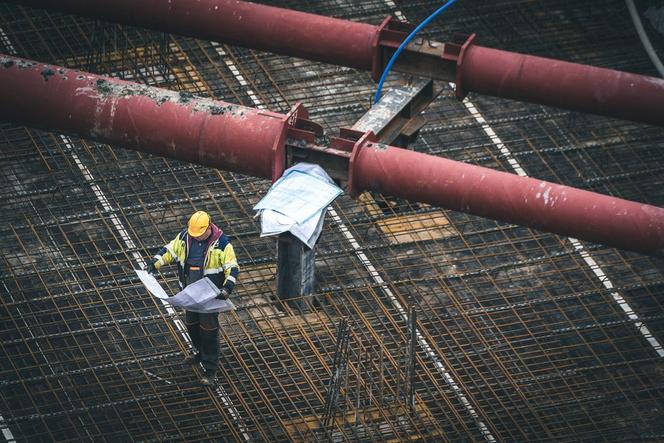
(260, 143)
(157, 121)
(474, 68)
(557, 83)
(395, 119)
(508, 197)
(250, 25)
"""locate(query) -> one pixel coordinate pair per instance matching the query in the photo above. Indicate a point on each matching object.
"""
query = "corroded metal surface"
(171, 124)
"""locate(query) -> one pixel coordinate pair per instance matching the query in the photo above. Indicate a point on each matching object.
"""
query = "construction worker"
(201, 250)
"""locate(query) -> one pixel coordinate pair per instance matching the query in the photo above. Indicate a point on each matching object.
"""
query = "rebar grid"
(532, 341)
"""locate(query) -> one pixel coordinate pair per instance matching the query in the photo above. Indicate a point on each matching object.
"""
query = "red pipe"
(245, 140)
(507, 197)
(166, 123)
(357, 45)
(277, 30)
(561, 84)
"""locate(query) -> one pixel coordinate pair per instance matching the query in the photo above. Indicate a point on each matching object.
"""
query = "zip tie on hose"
(404, 44)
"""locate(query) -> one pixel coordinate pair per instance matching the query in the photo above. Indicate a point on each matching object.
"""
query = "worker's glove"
(151, 266)
(223, 295)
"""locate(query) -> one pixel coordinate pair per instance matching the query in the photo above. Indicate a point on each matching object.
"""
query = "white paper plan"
(197, 297)
(151, 284)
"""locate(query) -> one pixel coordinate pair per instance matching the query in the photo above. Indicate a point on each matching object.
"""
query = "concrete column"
(295, 271)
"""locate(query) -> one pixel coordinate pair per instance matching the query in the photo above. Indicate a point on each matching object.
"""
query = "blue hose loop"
(403, 45)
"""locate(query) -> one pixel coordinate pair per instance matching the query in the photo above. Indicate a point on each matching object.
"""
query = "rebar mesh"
(520, 335)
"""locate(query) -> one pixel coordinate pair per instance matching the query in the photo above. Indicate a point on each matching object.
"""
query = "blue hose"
(404, 44)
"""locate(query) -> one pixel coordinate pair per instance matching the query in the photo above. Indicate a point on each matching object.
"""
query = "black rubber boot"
(192, 359)
(208, 378)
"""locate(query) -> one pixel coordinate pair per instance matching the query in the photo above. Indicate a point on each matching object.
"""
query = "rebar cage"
(426, 324)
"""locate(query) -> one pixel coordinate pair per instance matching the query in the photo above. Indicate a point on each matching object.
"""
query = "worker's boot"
(192, 359)
(208, 378)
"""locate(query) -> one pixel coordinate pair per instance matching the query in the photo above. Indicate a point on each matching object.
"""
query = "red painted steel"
(507, 197)
(483, 70)
(561, 84)
(161, 122)
(245, 140)
(246, 24)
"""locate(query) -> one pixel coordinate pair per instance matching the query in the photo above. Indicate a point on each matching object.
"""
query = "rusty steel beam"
(262, 144)
(474, 68)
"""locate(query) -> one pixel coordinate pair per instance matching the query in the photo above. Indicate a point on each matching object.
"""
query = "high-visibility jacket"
(220, 264)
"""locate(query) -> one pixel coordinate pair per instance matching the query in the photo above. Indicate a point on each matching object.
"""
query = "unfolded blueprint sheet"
(197, 297)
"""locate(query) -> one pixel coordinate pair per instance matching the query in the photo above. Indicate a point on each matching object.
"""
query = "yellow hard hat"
(198, 223)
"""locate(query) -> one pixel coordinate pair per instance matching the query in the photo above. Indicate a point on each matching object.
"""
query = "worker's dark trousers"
(203, 330)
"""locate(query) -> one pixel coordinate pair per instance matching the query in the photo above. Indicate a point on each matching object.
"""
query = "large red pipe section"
(166, 123)
(246, 24)
(479, 69)
(561, 84)
(245, 140)
(508, 197)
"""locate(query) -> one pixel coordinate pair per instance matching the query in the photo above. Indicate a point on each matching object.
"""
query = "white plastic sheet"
(297, 202)
(197, 297)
